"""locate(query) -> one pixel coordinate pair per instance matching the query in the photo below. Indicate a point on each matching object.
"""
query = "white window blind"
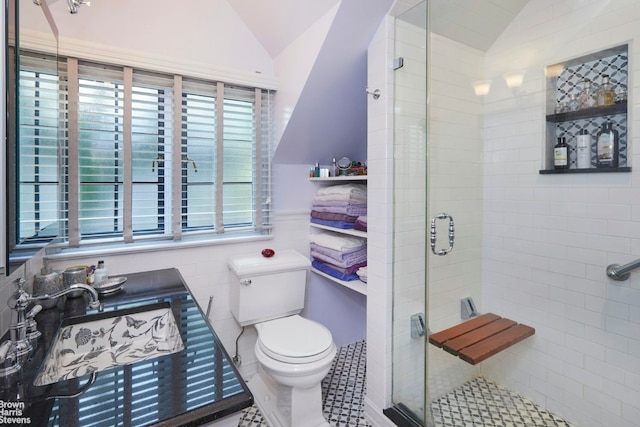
(199, 157)
(100, 151)
(38, 151)
(143, 161)
(151, 138)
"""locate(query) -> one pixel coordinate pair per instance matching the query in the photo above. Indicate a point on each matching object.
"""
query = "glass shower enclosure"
(438, 174)
(410, 206)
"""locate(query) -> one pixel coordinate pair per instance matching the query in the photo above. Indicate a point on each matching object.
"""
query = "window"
(38, 152)
(142, 154)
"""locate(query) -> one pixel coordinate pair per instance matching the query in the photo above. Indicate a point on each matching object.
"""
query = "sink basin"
(97, 342)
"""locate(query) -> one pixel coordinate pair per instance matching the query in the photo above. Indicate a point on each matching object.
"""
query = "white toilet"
(294, 353)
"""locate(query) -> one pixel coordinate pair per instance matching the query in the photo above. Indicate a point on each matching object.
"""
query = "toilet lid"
(294, 339)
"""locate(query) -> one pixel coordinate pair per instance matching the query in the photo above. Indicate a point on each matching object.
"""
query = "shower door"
(410, 204)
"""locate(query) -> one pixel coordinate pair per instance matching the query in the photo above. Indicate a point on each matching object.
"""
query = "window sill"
(60, 252)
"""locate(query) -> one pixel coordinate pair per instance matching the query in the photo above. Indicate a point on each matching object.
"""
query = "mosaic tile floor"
(478, 403)
(481, 403)
(343, 391)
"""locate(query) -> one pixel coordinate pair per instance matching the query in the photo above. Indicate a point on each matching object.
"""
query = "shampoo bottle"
(561, 154)
(607, 146)
(583, 150)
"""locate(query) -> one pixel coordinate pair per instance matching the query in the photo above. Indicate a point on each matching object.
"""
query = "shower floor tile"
(343, 391)
(482, 403)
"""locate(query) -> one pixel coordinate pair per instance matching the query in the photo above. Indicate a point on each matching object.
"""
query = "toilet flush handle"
(245, 282)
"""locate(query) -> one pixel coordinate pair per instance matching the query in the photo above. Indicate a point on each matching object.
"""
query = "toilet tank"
(267, 288)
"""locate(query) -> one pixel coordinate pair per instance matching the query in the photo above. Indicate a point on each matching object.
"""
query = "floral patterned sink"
(101, 341)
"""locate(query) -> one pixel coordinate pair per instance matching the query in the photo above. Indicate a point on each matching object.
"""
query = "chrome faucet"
(94, 301)
(15, 351)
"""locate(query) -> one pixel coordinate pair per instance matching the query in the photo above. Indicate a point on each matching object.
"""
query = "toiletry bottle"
(334, 167)
(317, 170)
(607, 147)
(606, 94)
(101, 273)
(586, 98)
(561, 154)
(583, 150)
(572, 105)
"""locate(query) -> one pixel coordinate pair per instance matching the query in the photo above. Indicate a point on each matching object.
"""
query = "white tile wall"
(379, 234)
(548, 239)
(455, 176)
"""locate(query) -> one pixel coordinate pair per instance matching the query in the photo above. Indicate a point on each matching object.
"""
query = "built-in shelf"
(588, 113)
(566, 82)
(590, 170)
(355, 285)
(341, 178)
(348, 231)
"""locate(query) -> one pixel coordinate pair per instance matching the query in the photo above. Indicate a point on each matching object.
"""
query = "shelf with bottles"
(584, 94)
(620, 107)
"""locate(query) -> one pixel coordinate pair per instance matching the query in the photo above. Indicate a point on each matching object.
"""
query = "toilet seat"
(294, 339)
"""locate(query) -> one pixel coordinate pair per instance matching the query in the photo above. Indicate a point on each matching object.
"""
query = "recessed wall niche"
(566, 115)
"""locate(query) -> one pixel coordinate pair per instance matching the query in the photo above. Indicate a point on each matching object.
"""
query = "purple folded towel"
(334, 273)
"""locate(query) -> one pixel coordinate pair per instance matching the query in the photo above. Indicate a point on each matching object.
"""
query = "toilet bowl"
(295, 354)
(295, 351)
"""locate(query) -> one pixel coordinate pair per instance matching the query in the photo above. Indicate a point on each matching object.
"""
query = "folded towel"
(362, 274)
(348, 189)
(361, 223)
(337, 254)
(344, 225)
(334, 216)
(347, 261)
(343, 208)
(334, 273)
(336, 203)
(347, 270)
(341, 198)
(338, 242)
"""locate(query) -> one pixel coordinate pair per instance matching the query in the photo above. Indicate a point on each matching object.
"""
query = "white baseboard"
(374, 415)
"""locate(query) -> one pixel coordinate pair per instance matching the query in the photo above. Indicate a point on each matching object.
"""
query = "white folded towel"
(337, 241)
(362, 274)
(348, 189)
(353, 198)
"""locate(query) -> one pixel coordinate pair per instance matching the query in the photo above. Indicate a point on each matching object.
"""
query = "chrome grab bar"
(621, 272)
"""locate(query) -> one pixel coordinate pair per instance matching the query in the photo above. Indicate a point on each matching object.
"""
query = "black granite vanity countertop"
(195, 386)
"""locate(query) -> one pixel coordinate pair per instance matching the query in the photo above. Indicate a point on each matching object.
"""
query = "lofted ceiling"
(475, 23)
(277, 24)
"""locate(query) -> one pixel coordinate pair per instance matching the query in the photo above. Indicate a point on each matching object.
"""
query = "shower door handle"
(433, 238)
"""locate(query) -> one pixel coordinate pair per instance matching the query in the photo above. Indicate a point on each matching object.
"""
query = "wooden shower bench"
(481, 337)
